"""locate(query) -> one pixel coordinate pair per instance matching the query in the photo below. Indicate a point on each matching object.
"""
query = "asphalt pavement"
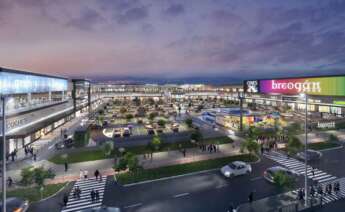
(200, 192)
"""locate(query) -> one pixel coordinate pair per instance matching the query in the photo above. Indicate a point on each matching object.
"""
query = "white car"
(236, 168)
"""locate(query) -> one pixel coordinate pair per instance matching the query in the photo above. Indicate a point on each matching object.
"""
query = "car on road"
(236, 168)
(16, 204)
(270, 172)
(311, 155)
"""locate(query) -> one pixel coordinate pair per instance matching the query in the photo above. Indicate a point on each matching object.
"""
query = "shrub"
(189, 122)
(294, 145)
(196, 135)
(129, 116)
(107, 148)
(283, 180)
(156, 142)
(161, 122)
(333, 138)
(37, 175)
(250, 145)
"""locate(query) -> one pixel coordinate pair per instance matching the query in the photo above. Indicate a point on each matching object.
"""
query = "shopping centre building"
(36, 104)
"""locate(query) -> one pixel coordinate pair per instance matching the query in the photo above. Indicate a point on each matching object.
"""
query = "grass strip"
(168, 171)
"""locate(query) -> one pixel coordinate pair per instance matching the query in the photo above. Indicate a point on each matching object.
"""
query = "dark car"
(102, 209)
(270, 172)
(67, 143)
(15, 204)
(311, 155)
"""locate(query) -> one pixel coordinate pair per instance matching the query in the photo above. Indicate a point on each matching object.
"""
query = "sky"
(166, 39)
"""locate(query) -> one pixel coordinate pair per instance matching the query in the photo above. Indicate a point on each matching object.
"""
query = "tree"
(152, 115)
(123, 110)
(129, 117)
(283, 180)
(156, 142)
(107, 148)
(196, 135)
(189, 122)
(161, 122)
(251, 146)
(36, 175)
(130, 161)
(294, 145)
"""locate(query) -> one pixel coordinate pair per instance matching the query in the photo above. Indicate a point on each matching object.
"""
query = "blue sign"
(15, 83)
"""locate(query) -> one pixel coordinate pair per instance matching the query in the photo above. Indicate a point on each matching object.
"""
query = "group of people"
(27, 150)
(83, 174)
(210, 148)
(77, 193)
(94, 195)
(319, 190)
(12, 154)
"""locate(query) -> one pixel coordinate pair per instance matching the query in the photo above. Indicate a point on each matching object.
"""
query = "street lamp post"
(3, 100)
(241, 97)
(305, 97)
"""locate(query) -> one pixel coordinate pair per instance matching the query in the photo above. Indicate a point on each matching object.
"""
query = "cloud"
(174, 10)
(132, 15)
(88, 19)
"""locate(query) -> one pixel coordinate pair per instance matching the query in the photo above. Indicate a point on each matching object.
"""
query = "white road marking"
(255, 178)
(181, 195)
(134, 205)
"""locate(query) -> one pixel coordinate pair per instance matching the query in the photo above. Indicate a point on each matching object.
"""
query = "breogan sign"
(327, 86)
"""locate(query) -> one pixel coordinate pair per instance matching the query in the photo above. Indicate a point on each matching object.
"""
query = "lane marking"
(256, 178)
(181, 195)
(134, 205)
(221, 186)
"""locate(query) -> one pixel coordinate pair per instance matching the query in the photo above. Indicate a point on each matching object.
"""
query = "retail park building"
(37, 104)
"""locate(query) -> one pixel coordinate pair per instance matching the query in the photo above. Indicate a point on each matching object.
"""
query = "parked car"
(16, 204)
(175, 127)
(236, 168)
(311, 155)
(117, 133)
(126, 132)
(270, 172)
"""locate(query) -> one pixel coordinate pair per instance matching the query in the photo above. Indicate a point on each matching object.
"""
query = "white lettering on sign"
(323, 125)
(252, 86)
(305, 86)
(15, 123)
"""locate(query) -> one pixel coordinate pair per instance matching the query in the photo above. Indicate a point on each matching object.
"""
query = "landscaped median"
(180, 169)
(99, 154)
(33, 194)
(323, 145)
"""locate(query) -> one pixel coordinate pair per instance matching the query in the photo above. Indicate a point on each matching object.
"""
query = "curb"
(53, 194)
(332, 148)
(179, 176)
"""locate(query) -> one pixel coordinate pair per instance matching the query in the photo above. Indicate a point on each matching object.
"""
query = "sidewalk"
(192, 155)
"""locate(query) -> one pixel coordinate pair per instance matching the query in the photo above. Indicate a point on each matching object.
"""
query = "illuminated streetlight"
(304, 96)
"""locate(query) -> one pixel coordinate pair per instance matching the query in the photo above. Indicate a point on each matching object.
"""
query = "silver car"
(311, 155)
(236, 168)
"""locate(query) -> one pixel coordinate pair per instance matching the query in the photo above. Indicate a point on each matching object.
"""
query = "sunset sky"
(105, 39)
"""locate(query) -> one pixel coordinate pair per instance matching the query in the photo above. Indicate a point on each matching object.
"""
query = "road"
(201, 192)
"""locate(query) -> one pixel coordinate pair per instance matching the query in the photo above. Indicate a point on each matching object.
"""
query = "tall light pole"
(241, 97)
(3, 100)
(305, 97)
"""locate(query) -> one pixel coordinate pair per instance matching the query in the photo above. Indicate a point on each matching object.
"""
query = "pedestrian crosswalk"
(299, 167)
(333, 196)
(322, 178)
(85, 201)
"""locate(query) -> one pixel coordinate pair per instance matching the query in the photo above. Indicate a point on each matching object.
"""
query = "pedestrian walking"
(65, 199)
(85, 174)
(35, 157)
(184, 152)
(66, 166)
(100, 176)
(9, 181)
(97, 195)
(81, 174)
(251, 197)
(92, 194)
(96, 174)
(312, 172)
